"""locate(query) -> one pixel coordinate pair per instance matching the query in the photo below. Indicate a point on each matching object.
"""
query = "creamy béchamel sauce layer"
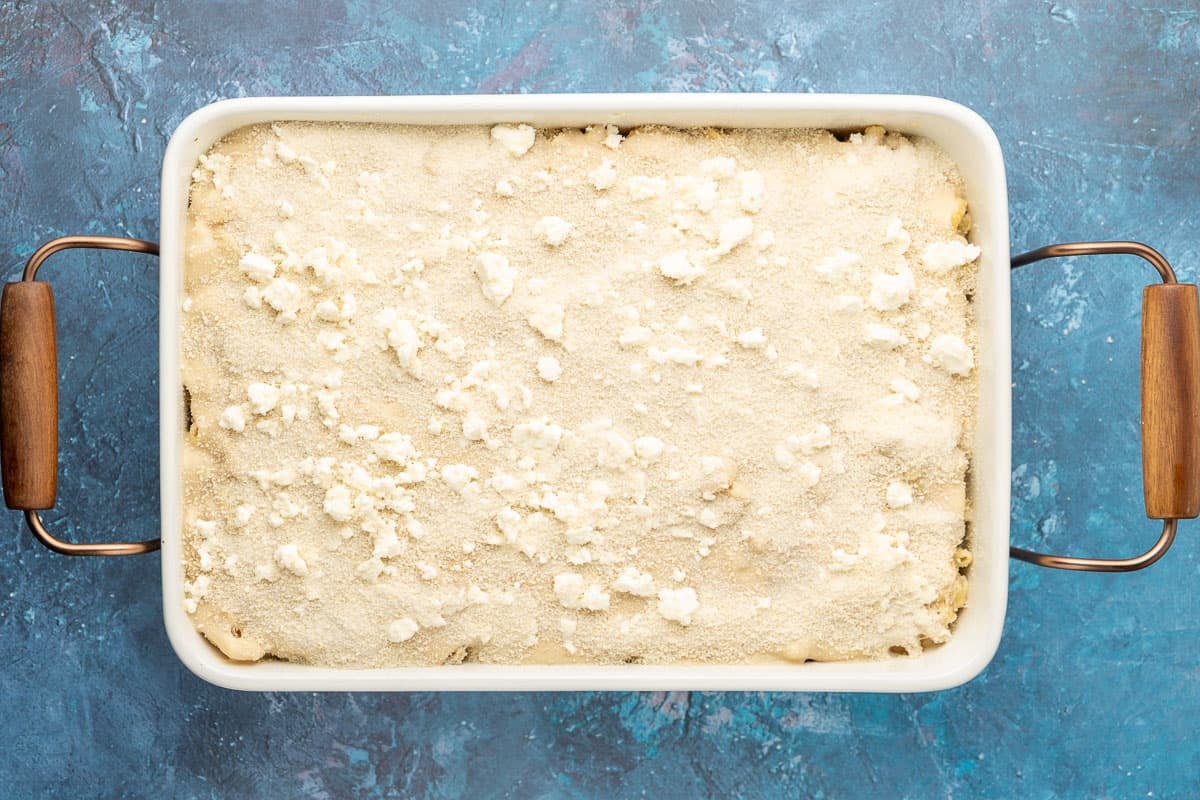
(538, 396)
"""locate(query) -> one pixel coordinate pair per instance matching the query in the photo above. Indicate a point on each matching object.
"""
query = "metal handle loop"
(1167, 537)
(32, 519)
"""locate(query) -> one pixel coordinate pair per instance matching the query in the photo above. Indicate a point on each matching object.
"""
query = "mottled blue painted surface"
(1096, 689)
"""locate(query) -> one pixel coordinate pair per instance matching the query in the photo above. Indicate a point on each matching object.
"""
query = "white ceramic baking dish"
(963, 135)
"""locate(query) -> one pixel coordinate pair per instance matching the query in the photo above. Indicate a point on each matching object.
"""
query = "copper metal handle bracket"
(29, 396)
(1179, 500)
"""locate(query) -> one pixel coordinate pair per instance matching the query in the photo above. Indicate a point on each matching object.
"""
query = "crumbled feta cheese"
(263, 397)
(807, 376)
(252, 297)
(752, 339)
(614, 450)
(834, 265)
(265, 572)
(242, 515)
(889, 292)
(333, 341)
(809, 474)
(733, 233)
(259, 269)
(604, 176)
(899, 494)
(571, 593)
(818, 438)
(325, 404)
(338, 503)
(395, 447)
(678, 267)
(940, 296)
(330, 311)
(632, 580)
(634, 335)
(897, 235)
(952, 354)
(540, 434)
(205, 559)
(194, 591)
(474, 427)
(233, 418)
(549, 369)
(648, 447)
(288, 557)
(453, 347)
(674, 355)
(496, 276)
(612, 137)
(508, 522)
(516, 140)
(940, 257)
(402, 630)
(784, 457)
(884, 337)
(326, 310)
(414, 528)
(548, 321)
(552, 230)
(459, 476)
(889, 551)
(504, 188)
(351, 435)
(717, 473)
(283, 296)
(678, 605)
(567, 628)
(452, 400)
(402, 336)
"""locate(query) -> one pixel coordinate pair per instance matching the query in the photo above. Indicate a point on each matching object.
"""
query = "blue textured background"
(1096, 688)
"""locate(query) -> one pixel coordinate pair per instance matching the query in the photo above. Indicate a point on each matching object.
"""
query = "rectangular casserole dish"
(962, 134)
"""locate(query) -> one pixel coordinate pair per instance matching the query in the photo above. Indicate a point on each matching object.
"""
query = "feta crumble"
(517, 140)
(678, 605)
(952, 354)
(552, 230)
(402, 630)
(549, 369)
(942, 257)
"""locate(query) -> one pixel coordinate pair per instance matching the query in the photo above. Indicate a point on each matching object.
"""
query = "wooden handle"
(1171, 401)
(28, 396)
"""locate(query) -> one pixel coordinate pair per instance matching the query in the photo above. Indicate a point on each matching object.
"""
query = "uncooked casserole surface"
(509, 396)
